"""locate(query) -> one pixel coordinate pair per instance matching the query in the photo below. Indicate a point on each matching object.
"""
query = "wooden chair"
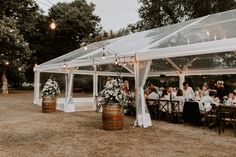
(227, 114)
(152, 106)
(175, 111)
(164, 108)
(212, 116)
(130, 108)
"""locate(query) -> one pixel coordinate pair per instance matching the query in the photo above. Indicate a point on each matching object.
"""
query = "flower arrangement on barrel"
(50, 92)
(113, 99)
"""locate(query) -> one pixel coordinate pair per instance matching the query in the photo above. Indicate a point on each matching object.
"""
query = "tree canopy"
(75, 24)
(157, 13)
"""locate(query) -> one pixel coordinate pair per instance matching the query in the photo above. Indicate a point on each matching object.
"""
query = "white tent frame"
(139, 58)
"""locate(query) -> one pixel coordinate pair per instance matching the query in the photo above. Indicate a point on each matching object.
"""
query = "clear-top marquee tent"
(202, 46)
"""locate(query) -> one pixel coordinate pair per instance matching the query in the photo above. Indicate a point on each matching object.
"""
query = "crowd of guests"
(205, 96)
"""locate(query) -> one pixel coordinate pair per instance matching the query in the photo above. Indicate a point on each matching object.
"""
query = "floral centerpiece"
(51, 88)
(49, 93)
(113, 100)
(113, 93)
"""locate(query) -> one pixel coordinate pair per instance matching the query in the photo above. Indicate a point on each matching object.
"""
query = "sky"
(114, 14)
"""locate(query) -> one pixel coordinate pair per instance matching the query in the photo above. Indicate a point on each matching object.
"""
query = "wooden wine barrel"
(112, 117)
(49, 104)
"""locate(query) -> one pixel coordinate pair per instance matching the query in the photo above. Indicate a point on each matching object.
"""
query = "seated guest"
(151, 86)
(126, 87)
(146, 93)
(179, 97)
(174, 91)
(207, 100)
(170, 92)
(197, 94)
(165, 95)
(231, 100)
(188, 92)
(153, 95)
(205, 90)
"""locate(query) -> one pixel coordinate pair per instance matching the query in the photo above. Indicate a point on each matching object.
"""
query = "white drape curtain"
(142, 69)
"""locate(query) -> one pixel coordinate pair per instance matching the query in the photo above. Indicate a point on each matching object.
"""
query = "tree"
(75, 24)
(25, 15)
(157, 13)
(14, 50)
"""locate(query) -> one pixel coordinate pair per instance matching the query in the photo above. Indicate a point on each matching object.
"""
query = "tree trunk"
(4, 81)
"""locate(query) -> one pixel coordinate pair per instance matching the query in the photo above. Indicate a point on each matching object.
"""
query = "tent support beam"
(173, 64)
(36, 86)
(181, 80)
(155, 43)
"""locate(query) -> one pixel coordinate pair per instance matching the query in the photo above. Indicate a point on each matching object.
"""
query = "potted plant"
(113, 101)
(49, 94)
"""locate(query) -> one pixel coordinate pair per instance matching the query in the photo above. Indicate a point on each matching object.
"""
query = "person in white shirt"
(232, 100)
(207, 100)
(188, 92)
(179, 97)
(153, 95)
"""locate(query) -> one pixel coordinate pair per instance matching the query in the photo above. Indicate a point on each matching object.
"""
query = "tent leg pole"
(181, 80)
(36, 86)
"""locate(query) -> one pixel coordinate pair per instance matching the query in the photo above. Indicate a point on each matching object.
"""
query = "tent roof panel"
(205, 35)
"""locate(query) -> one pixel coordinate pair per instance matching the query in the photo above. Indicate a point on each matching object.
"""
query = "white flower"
(51, 88)
(113, 91)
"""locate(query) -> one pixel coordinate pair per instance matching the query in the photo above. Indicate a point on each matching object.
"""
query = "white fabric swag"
(141, 73)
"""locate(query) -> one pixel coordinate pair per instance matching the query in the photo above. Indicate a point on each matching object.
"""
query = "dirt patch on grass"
(27, 132)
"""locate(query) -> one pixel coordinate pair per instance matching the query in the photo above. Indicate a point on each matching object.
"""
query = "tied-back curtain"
(143, 118)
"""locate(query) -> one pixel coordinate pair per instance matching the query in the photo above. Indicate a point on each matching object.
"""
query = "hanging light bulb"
(124, 62)
(93, 63)
(19, 69)
(131, 62)
(103, 54)
(7, 63)
(64, 66)
(116, 61)
(119, 62)
(52, 25)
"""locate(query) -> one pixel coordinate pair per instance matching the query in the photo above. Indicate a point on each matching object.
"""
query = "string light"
(7, 63)
(103, 54)
(124, 62)
(53, 25)
(116, 61)
(64, 66)
(131, 62)
(85, 47)
(93, 63)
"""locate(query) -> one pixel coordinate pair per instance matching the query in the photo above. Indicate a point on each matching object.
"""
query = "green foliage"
(75, 23)
(157, 13)
(13, 48)
(19, 17)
